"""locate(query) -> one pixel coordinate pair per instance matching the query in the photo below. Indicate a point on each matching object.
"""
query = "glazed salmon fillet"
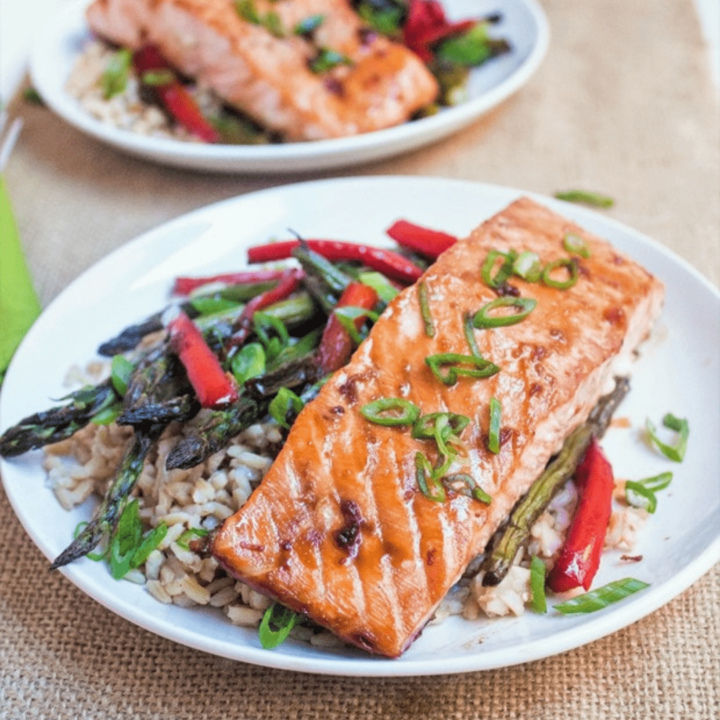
(269, 77)
(339, 530)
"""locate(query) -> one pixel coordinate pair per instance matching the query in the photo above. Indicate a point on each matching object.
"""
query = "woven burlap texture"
(623, 104)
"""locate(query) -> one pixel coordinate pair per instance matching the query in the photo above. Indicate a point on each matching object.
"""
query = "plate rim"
(298, 156)
(631, 611)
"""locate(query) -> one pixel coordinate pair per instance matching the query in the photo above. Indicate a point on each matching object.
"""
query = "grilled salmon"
(339, 529)
(266, 70)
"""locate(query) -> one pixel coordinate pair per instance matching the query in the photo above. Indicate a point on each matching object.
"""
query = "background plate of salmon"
(682, 359)
(523, 24)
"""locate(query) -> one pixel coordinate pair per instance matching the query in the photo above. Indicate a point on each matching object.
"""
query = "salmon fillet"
(268, 77)
(340, 476)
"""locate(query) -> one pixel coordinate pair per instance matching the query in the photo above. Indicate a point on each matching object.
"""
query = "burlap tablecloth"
(622, 104)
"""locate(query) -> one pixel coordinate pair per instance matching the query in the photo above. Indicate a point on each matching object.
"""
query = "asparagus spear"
(58, 423)
(509, 540)
(211, 430)
(114, 502)
(129, 338)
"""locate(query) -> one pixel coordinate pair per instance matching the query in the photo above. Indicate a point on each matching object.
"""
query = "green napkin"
(19, 305)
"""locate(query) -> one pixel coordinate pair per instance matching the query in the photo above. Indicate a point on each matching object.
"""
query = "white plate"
(679, 372)
(523, 24)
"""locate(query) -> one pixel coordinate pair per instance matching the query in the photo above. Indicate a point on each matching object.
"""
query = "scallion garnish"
(447, 367)
(107, 416)
(468, 49)
(576, 245)
(429, 485)
(248, 362)
(528, 266)
(272, 333)
(158, 78)
(272, 23)
(276, 624)
(468, 487)
(504, 272)
(187, 535)
(424, 427)
(484, 319)
(308, 25)
(95, 557)
(386, 20)
(327, 59)
(679, 425)
(121, 370)
(380, 284)
(115, 76)
(469, 330)
(347, 316)
(587, 197)
(391, 412)
(425, 309)
(494, 431)
(572, 269)
(601, 597)
(641, 493)
(247, 11)
(285, 402)
(537, 585)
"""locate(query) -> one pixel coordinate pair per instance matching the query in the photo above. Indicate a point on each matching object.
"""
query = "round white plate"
(679, 371)
(523, 24)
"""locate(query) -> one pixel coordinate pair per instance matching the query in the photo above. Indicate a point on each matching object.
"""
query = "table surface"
(624, 103)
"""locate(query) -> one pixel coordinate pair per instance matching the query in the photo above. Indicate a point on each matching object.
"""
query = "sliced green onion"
(446, 367)
(248, 362)
(264, 324)
(125, 541)
(469, 330)
(679, 425)
(390, 412)
(95, 557)
(429, 485)
(347, 316)
(273, 24)
(601, 597)
(469, 49)
(158, 78)
(247, 11)
(282, 404)
(380, 284)
(587, 197)
(276, 624)
(576, 245)
(641, 493)
(115, 76)
(528, 266)
(149, 543)
(309, 24)
(187, 535)
(537, 585)
(572, 269)
(386, 20)
(425, 309)
(503, 273)
(424, 427)
(108, 415)
(121, 371)
(494, 432)
(483, 318)
(327, 59)
(471, 487)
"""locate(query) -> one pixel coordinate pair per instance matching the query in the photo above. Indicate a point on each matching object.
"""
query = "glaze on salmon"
(339, 530)
(268, 76)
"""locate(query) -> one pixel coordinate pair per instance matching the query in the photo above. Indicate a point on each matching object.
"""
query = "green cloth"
(19, 305)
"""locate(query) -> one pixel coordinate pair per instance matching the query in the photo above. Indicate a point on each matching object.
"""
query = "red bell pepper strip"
(580, 556)
(426, 25)
(336, 345)
(186, 285)
(212, 386)
(422, 240)
(385, 261)
(173, 95)
(289, 282)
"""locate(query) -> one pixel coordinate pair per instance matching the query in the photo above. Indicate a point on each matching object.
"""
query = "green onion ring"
(390, 412)
(505, 271)
(277, 622)
(576, 245)
(483, 319)
(424, 426)
(528, 266)
(568, 263)
(679, 425)
(602, 596)
(471, 488)
(483, 368)
(494, 431)
(639, 496)
(425, 309)
(425, 477)
(469, 330)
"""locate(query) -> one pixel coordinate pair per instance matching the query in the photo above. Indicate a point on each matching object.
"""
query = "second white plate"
(524, 25)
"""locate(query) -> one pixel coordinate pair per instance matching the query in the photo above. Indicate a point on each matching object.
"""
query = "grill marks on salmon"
(268, 77)
(338, 528)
